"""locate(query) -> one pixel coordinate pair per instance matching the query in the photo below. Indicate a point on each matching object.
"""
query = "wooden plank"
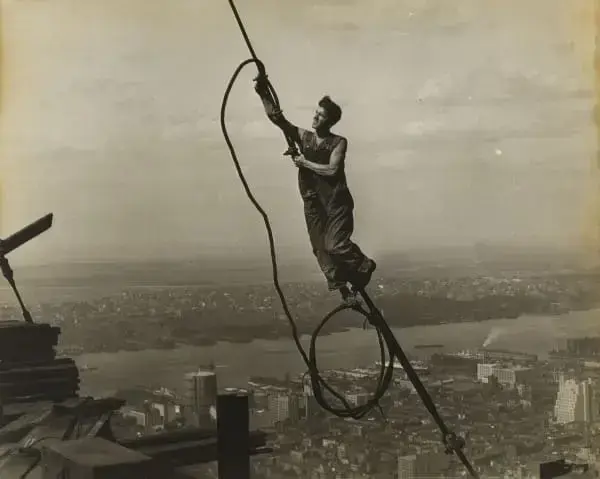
(196, 452)
(20, 409)
(72, 404)
(18, 428)
(100, 423)
(36, 331)
(169, 437)
(10, 383)
(29, 338)
(66, 419)
(54, 426)
(9, 366)
(21, 357)
(90, 408)
(22, 339)
(15, 382)
(18, 325)
(54, 396)
(65, 374)
(39, 337)
(26, 348)
(15, 465)
(99, 458)
(36, 338)
(40, 386)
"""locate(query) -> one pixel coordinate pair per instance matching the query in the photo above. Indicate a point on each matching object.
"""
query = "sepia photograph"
(328, 239)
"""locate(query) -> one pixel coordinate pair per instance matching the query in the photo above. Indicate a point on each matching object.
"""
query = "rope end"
(291, 151)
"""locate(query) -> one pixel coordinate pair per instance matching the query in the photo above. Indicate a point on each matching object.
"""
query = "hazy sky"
(468, 121)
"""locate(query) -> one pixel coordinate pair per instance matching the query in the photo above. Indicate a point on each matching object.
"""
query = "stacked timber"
(29, 368)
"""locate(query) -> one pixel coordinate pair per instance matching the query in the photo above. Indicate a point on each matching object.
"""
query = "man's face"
(320, 118)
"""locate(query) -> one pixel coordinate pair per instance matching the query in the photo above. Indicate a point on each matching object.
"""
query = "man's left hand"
(299, 161)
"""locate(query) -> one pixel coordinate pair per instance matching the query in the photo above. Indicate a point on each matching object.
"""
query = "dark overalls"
(329, 213)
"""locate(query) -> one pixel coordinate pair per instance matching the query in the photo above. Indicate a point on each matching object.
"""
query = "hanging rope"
(386, 338)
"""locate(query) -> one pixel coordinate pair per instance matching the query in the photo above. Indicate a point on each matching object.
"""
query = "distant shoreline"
(137, 317)
(205, 342)
(210, 342)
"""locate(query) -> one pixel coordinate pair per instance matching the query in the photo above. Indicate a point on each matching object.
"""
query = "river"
(533, 334)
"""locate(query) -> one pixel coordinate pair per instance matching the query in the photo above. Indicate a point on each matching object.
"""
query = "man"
(328, 204)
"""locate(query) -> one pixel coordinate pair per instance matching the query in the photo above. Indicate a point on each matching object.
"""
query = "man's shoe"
(362, 279)
(349, 297)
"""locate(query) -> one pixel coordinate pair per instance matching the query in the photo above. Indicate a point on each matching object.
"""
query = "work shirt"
(331, 191)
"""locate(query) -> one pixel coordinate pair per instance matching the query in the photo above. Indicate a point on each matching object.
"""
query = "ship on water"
(485, 354)
(418, 366)
(85, 367)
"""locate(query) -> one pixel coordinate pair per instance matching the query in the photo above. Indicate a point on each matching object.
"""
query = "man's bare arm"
(277, 118)
(338, 155)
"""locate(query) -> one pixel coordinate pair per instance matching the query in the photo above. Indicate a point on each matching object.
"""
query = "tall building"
(164, 401)
(407, 467)
(426, 465)
(311, 408)
(577, 401)
(259, 400)
(283, 406)
(358, 398)
(307, 387)
(484, 371)
(153, 418)
(199, 397)
(509, 376)
(138, 416)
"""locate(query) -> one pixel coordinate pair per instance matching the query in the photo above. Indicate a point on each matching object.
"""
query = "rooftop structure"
(47, 428)
(48, 431)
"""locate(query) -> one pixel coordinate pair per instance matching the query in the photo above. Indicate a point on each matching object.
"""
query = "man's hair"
(334, 112)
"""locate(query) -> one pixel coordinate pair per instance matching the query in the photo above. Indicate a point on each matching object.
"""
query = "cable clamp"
(453, 443)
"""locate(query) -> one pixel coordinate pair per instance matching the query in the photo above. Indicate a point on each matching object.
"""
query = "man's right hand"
(261, 85)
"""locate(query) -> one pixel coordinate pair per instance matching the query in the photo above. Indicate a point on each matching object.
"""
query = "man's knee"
(333, 248)
(329, 252)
